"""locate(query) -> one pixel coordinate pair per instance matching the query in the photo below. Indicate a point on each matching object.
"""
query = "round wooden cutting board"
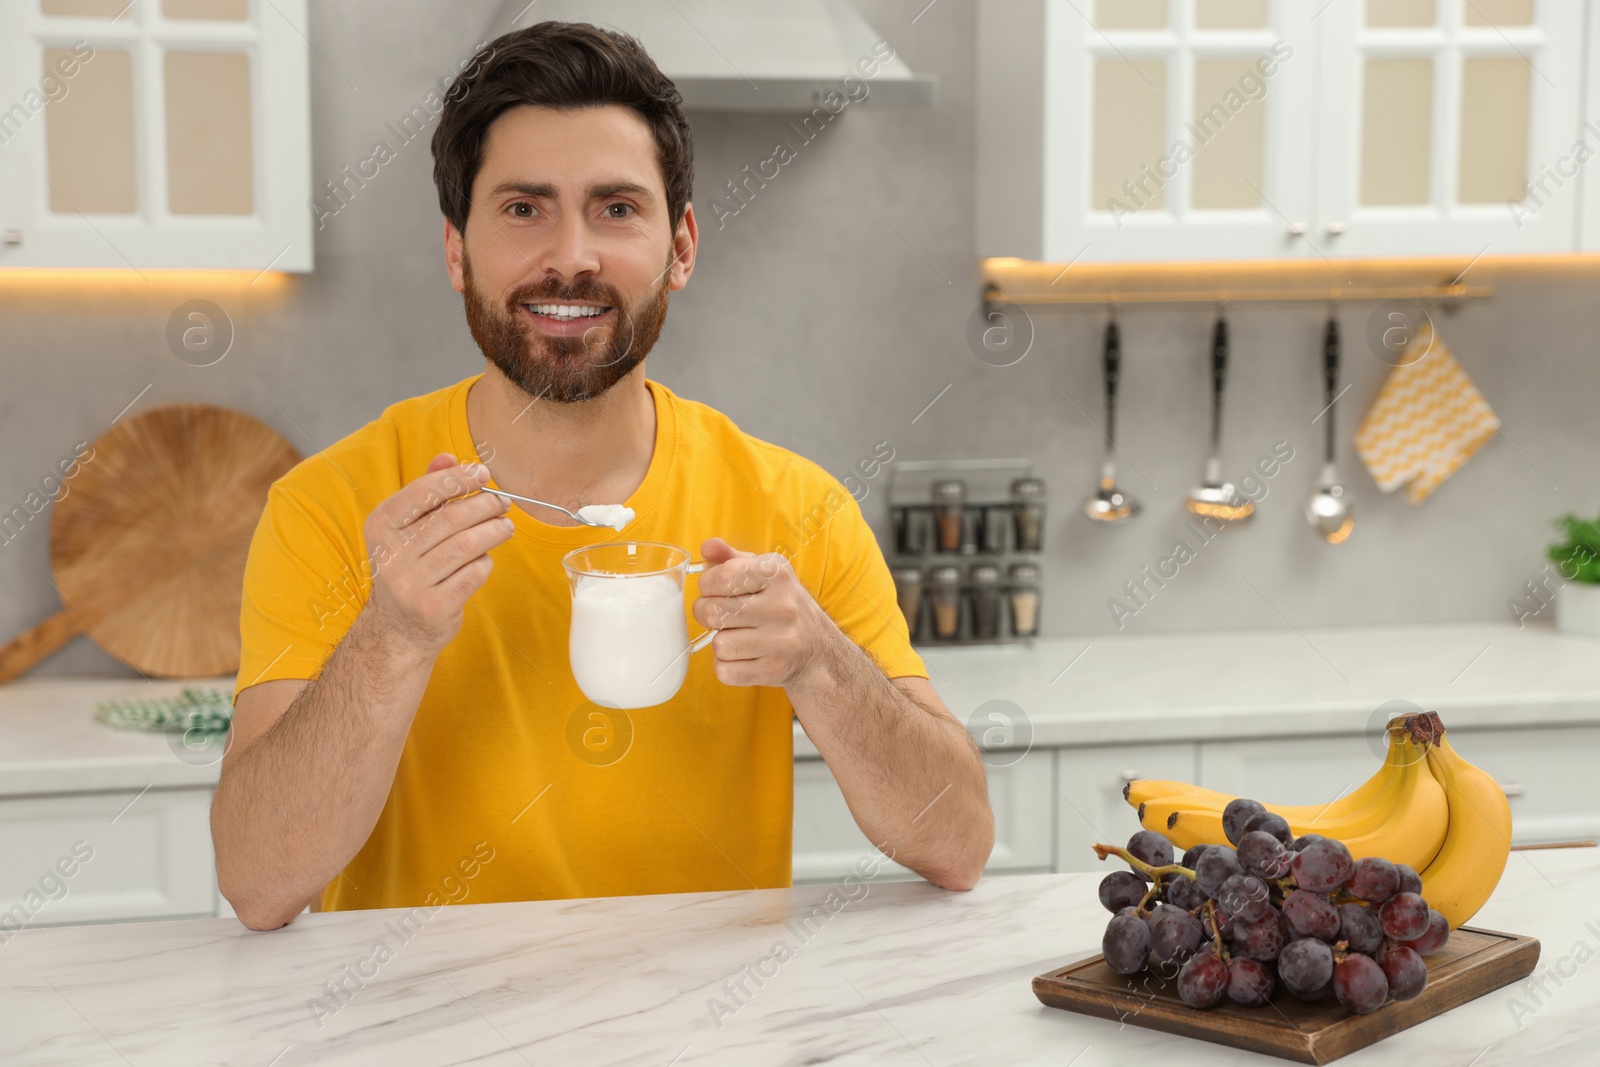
(148, 546)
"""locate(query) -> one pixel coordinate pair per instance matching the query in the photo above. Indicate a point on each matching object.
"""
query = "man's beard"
(564, 369)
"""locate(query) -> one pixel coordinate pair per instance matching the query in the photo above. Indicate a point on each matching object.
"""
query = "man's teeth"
(566, 312)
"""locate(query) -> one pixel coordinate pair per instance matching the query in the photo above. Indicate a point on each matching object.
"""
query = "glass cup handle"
(696, 567)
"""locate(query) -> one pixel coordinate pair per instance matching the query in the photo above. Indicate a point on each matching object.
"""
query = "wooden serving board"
(1472, 963)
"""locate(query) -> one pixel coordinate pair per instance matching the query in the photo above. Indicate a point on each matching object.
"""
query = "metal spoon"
(1108, 503)
(529, 500)
(1329, 509)
(1217, 499)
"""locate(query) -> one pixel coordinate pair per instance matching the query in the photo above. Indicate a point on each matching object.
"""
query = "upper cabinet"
(155, 134)
(1129, 130)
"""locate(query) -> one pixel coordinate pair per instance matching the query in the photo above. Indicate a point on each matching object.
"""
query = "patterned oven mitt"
(1427, 421)
(195, 708)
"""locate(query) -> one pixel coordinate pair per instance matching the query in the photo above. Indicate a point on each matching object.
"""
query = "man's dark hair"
(565, 66)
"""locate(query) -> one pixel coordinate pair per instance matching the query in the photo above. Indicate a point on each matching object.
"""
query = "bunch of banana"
(1426, 807)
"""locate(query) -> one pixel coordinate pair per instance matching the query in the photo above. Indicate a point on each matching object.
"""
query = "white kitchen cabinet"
(1289, 770)
(156, 134)
(828, 843)
(1136, 130)
(106, 857)
(1433, 115)
(1088, 798)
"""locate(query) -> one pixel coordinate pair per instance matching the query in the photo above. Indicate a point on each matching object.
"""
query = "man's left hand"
(773, 630)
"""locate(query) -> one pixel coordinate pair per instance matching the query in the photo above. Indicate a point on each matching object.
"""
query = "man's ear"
(685, 241)
(454, 249)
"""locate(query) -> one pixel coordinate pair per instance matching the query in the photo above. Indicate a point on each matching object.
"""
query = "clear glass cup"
(629, 644)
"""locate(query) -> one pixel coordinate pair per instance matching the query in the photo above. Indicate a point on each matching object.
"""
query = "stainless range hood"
(749, 55)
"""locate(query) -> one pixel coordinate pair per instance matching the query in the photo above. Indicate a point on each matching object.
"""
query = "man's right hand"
(428, 548)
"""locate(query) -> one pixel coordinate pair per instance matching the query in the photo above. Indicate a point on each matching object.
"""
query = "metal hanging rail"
(1452, 292)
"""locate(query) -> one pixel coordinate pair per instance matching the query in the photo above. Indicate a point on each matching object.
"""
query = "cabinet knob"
(11, 237)
(1129, 776)
(1513, 789)
(1334, 229)
(1297, 229)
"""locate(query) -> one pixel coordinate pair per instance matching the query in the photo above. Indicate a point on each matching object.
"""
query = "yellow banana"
(1473, 857)
(1414, 826)
(1187, 826)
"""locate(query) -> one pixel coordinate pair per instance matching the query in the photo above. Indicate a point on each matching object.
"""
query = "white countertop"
(50, 741)
(904, 974)
(1073, 691)
(1271, 683)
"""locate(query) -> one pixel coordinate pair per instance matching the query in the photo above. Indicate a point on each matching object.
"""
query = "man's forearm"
(297, 805)
(912, 777)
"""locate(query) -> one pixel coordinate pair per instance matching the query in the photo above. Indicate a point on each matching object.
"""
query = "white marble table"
(905, 974)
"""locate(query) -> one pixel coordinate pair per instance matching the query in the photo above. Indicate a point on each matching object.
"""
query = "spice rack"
(966, 537)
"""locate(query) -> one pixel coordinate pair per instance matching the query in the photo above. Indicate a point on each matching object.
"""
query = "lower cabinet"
(827, 841)
(105, 857)
(1088, 796)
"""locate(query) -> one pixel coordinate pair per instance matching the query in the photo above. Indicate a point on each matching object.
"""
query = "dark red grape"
(1359, 983)
(1260, 940)
(1236, 814)
(1191, 857)
(1183, 893)
(1250, 983)
(1323, 866)
(1405, 917)
(1410, 880)
(1119, 889)
(1245, 896)
(1305, 968)
(1263, 855)
(1151, 847)
(1175, 936)
(1276, 825)
(1125, 944)
(1159, 910)
(1305, 839)
(1218, 865)
(1406, 972)
(1203, 982)
(1434, 938)
(1375, 880)
(1359, 928)
(1311, 915)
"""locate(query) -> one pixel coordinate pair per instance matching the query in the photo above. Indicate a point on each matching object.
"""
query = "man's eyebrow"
(546, 191)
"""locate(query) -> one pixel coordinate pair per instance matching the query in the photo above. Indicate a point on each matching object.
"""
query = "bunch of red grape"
(1236, 922)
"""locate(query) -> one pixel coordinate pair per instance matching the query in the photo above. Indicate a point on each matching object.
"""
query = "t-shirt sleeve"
(304, 583)
(857, 592)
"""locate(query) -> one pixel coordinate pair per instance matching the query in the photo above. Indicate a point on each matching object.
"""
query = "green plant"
(1578, 558)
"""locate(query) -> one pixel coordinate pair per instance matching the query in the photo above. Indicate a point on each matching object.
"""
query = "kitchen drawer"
(1549, 774)
(1289, 770)
(827, 841)
(1089, 804)
(148, 859)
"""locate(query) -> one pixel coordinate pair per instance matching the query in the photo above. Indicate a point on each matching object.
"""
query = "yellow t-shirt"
(505, 757)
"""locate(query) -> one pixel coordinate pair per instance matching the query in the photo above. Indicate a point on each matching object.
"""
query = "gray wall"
(821, 324)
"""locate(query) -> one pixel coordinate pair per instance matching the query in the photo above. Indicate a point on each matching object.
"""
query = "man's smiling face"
(569, 252)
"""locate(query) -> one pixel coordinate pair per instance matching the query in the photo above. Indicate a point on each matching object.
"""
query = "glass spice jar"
(1024, 585)
(949, 508)
(1027, 513)
(984, 595)
(944, 590)
(908, 592)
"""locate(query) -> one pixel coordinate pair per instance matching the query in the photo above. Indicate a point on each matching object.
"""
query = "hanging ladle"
(1217, 499)
(1329, 509)
(1108, 503)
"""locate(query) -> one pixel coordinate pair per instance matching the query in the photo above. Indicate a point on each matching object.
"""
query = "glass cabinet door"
(1177, 129)
(1443, 124)
(155, 133)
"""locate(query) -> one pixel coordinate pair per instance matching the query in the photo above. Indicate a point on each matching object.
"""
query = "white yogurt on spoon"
(615, 516)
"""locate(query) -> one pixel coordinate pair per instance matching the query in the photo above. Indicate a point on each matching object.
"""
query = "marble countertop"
(1272, 683)
(899, 974)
